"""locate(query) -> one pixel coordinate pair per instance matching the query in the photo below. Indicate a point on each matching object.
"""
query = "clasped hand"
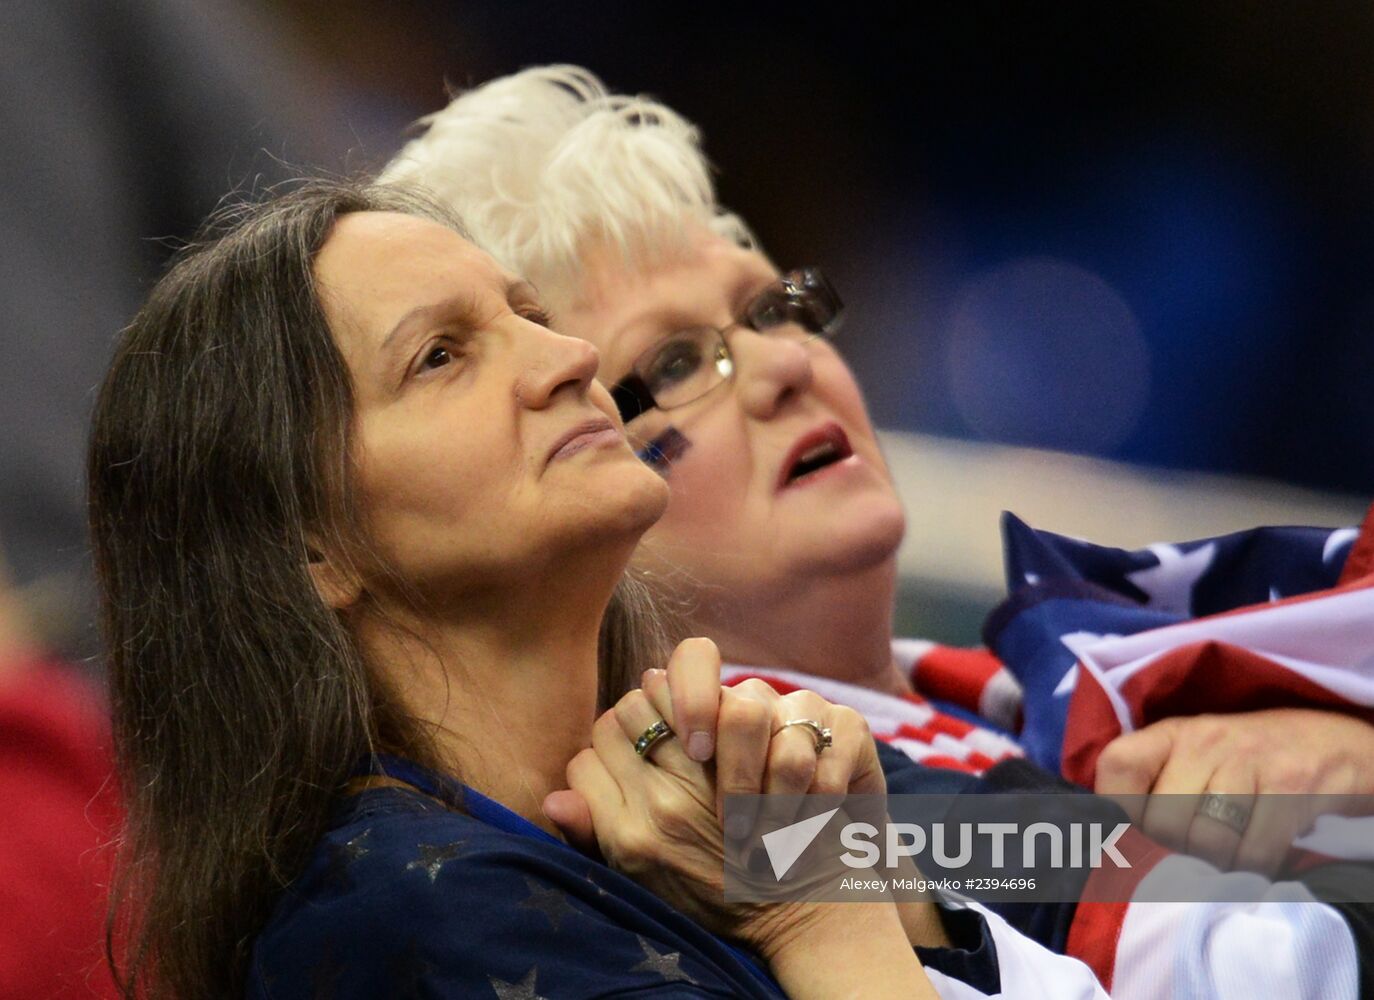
(660, 820)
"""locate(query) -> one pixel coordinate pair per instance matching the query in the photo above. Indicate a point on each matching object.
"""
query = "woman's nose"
(769, 370)
(553, 363)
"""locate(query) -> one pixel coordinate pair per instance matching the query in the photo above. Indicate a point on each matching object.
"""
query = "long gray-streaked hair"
(219, 458)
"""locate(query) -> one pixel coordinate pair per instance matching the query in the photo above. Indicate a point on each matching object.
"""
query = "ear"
(338, 585)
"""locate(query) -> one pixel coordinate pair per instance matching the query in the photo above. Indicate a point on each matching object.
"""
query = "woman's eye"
(535, 315)
(437, 358)
(676, 362)
(768, 310)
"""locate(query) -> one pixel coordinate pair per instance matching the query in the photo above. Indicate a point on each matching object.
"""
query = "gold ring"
(651, 737)
(818, 732)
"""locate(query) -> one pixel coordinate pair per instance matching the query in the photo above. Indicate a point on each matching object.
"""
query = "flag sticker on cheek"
(660, 453)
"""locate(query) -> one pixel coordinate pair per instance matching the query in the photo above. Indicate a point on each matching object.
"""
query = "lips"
(587, 434)
(813, 452)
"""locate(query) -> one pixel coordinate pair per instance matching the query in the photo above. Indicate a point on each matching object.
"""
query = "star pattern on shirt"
(596, 885)
(1169, 586)
(546, 900)
(523, 990)
(433, 857)
(664, 964)
(342, 858)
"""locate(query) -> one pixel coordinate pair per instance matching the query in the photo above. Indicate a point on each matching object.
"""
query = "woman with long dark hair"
(361, 522)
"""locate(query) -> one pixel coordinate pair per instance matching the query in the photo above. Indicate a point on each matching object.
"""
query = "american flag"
(1106, 640)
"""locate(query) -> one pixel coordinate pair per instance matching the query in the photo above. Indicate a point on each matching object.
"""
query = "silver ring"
(652, 737)
(1225, 809)
(818, 732)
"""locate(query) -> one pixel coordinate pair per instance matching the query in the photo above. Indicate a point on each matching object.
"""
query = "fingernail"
(700, 746)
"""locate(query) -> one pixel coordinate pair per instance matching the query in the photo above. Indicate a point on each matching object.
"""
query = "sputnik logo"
(785, 846)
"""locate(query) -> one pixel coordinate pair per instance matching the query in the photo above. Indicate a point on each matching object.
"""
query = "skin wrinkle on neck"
(472, 682)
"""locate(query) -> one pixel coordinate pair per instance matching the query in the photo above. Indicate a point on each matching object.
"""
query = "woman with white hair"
(781, 534)
(782, 527)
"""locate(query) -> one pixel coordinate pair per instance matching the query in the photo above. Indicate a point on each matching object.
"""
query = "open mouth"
(816, 451)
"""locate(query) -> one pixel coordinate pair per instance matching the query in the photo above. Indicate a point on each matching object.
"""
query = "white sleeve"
(1025, 969)
(1277, 943)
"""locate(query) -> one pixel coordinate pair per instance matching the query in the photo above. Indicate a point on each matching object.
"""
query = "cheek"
(832, 379)
(418, 489)
(711, 488)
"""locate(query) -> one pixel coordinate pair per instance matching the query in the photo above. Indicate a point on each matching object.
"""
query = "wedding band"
(818, 732)
(1225, 809)
(651, 737)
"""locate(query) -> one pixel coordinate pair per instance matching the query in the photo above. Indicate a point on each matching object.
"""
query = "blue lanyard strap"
(452, 793)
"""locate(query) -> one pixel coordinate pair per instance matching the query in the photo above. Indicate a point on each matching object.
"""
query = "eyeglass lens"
(688, 364)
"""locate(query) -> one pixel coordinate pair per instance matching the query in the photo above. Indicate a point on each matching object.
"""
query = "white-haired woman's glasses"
(686, 365)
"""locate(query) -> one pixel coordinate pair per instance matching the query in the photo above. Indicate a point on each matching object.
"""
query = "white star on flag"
(1169, 585)
(1076, 642)
(1338, 539)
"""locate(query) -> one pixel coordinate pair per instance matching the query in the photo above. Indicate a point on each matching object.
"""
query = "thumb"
(569, 811)
(868, 777)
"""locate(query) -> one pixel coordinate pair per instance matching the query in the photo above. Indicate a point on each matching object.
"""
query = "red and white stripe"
(974, 679)
(908, 722)
(1316, 650)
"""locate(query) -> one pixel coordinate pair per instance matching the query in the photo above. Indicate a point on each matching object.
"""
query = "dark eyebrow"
(460, 305)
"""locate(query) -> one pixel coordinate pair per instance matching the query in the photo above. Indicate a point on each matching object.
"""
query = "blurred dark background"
(1142, 232)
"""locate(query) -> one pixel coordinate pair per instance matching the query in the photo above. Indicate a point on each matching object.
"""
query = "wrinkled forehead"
(624, 300)
(376, 267)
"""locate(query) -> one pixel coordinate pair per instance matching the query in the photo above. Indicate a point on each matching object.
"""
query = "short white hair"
(543, 162)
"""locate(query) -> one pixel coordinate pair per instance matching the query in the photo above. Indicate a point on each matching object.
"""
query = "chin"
(638, 499)
(865, 539)
(650, 500)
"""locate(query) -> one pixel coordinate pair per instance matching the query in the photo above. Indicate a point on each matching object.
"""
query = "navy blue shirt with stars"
(406, 897)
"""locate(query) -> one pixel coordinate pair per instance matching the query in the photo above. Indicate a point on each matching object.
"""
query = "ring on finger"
(819, 733)
(1226, 809)
(652, 737)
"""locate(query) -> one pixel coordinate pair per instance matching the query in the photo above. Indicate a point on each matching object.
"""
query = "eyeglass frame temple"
(632, 397)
